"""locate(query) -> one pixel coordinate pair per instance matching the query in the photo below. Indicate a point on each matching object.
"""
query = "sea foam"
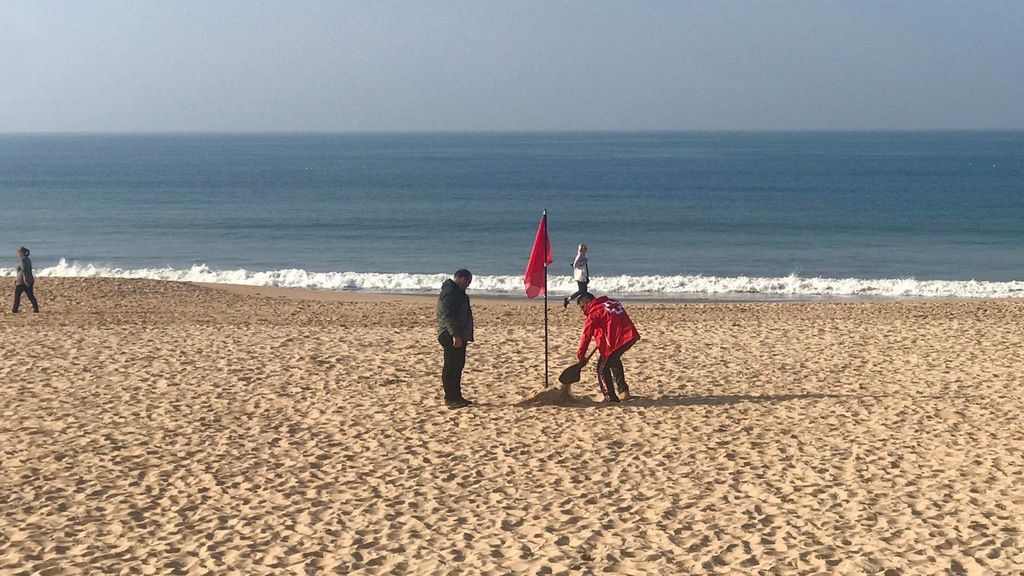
(681, 287)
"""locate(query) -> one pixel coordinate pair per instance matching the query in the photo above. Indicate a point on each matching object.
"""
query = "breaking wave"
(681, 287)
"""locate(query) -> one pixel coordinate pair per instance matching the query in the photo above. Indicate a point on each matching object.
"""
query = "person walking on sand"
(454, 332)
(580, 273)
(614, 334)
(23, 281)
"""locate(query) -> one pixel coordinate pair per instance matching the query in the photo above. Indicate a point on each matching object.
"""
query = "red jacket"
(609, 326)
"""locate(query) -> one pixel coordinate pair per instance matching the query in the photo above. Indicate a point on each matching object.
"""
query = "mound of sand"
(554, 396)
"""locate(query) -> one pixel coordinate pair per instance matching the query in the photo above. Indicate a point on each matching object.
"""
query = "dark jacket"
(454, 314)
(24, 277)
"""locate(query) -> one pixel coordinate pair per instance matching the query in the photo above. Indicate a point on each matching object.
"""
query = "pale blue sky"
(371, 65)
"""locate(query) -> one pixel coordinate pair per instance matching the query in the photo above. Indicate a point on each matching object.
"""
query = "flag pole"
(540, 257)
(547, 249)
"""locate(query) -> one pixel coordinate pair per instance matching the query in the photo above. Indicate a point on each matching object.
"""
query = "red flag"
(540, 257)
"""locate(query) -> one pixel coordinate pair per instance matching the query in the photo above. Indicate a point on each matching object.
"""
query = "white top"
(580, 272)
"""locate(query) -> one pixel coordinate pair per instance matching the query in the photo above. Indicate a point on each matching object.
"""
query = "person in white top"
(580, 273)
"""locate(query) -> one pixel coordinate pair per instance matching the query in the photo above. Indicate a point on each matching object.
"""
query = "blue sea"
(665, 215)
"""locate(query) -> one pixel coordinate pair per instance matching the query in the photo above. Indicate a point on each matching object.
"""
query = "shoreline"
(791, 288)
(555, 301)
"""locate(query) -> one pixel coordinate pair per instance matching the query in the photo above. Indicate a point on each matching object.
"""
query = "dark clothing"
(610, 374)
(18, 289)
(24, 277)
(582, 289)
(454, 314)
(451, 373)
(454, 319)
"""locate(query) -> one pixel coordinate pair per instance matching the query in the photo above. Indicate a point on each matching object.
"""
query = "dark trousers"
(18, 289)
(582, 289)
(454, 362)
(610, 374)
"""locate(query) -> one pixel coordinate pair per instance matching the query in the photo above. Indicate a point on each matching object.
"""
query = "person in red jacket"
(614, 333)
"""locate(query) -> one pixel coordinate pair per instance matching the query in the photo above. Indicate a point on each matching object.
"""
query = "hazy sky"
(371, 65)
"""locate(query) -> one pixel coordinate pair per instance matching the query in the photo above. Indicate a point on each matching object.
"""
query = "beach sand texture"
(161, 428)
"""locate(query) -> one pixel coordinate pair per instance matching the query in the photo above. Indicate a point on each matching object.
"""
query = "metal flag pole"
(547, 249)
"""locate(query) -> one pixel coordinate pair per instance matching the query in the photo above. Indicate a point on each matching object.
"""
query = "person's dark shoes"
(456, 404)
(565, 303)
(467, 401)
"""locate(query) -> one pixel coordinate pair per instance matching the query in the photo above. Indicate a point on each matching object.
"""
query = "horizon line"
(501, 131)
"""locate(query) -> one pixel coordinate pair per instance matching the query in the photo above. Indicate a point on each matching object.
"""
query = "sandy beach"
(171, 428)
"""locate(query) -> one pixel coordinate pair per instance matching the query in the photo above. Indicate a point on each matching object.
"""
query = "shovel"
(571, 375)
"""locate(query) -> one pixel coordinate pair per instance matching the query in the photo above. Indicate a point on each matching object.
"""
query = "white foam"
(637, 286)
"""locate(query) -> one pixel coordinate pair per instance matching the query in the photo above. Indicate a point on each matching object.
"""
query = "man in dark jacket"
(454, 332)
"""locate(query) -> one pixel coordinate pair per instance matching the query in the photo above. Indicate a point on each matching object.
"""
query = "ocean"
(689, 215)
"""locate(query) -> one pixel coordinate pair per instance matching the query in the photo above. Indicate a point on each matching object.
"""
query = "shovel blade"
(570, 375)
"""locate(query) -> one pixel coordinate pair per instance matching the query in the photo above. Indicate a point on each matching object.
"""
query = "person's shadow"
(714, 400)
